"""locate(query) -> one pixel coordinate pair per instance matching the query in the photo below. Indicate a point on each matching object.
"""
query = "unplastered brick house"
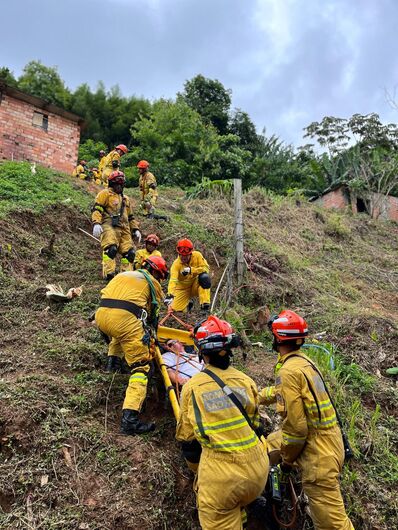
(377, 205)
(34, 130)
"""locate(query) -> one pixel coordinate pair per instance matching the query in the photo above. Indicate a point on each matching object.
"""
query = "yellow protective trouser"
(182, 295)
(121, 237)
(127, 333)
(226, 483)
(321, 463)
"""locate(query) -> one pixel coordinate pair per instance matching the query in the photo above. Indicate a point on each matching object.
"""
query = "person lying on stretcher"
(181, 365)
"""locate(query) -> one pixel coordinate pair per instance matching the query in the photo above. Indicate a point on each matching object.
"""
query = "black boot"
(205, 308)
(113, 364)
(110, 276)
(131, 424)
(190, 305)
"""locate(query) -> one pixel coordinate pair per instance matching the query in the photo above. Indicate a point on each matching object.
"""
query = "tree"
(210, 99)
(241, 125)
(44, 82)
(8, 76)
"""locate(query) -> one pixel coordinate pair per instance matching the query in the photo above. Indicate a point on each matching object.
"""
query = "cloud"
(288, 62)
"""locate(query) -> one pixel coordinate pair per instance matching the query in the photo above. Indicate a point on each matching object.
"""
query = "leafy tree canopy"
(44, 82)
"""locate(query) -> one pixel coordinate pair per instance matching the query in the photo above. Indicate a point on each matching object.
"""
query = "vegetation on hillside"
(64, 464)
(198, 135)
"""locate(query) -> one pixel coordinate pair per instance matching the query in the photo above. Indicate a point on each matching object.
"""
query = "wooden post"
(240, 260)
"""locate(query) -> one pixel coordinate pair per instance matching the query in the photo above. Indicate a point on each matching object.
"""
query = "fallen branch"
(215, 257)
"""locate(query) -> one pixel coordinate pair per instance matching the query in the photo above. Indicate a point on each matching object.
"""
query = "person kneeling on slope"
(189, 278)
(310, 437)
(151, 244)
(217, 431)
(113, 222)
(128, 313)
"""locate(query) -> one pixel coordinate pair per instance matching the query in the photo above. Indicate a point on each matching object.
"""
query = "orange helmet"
(184, 247)
(288, 326)
(123, 148)
(152, 238)
(156, 263)
(143, 164)
(117, 177)
(214, 335)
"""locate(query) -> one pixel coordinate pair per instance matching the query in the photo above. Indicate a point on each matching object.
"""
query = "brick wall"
(385, 207)
(334, 199)
(21, 140)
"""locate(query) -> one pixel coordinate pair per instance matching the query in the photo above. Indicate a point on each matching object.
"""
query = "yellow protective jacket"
(198, 265)
(143, 254)
(101, 164)
(79, 172)
(303, 404)
(107, 167)
(209, 416)
(108, 203)
(147, 184)
(132, 286)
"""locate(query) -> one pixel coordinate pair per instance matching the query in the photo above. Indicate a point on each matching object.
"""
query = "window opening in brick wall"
(361, 206)
(40, 120)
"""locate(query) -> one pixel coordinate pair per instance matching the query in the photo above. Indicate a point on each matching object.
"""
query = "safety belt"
(232, 396)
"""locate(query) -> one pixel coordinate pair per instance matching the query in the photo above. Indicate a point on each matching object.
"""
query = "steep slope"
(64, 465)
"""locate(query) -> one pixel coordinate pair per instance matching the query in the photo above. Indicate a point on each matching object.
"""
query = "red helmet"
(157, 263)
(123, 148)
(82, 162)
(184, 247)
(152, 238)
(143, 164)
(214, 335)
(117, 177)
(288, 326)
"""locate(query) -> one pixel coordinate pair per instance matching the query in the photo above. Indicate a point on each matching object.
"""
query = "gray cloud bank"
(288, 62)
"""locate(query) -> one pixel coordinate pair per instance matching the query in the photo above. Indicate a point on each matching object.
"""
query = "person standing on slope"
(113, 222)
(148, 191)
(112, 161)
(128, 313)
(219, 441)
(310, 436)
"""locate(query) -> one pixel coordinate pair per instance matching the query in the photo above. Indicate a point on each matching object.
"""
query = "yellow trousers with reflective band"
(121, 237)
(321, 463)
(182, 295)
(226, 483)
(127, 333)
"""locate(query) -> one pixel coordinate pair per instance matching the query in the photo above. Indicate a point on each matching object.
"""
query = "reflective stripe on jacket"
(197, 263)
(209, 416)
(108, 203)
(302, 402)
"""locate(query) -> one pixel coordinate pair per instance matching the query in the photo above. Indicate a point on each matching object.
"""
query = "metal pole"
(240, 260)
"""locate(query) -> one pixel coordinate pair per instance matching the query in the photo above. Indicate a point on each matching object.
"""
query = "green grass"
(20, 189)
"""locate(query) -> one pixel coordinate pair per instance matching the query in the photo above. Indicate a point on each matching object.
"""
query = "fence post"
(240, 260)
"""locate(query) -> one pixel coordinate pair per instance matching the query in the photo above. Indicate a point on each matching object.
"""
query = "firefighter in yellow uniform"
(113, 222)
(112, 161)
(151, 243)
(217, 439)
(310, 436)
(128, 313)
(80, 170)
(101, 162)
(189, 277)
(96, 175)
(148, 191)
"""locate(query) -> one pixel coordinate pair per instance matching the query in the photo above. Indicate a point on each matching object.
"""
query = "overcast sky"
(287, 62)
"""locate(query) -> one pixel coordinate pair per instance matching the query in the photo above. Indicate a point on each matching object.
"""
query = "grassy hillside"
(64, 465)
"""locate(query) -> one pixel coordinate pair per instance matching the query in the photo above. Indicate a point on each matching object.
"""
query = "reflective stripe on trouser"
(127, 332)
(320, 463)
(121, 237)
(226, 483)
(182, 295)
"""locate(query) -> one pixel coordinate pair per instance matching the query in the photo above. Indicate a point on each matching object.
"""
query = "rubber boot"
(131, 424)
(113, 365)
(190, 305)
(205, 308)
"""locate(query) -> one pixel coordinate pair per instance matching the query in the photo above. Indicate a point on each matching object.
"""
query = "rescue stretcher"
(165, 333)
